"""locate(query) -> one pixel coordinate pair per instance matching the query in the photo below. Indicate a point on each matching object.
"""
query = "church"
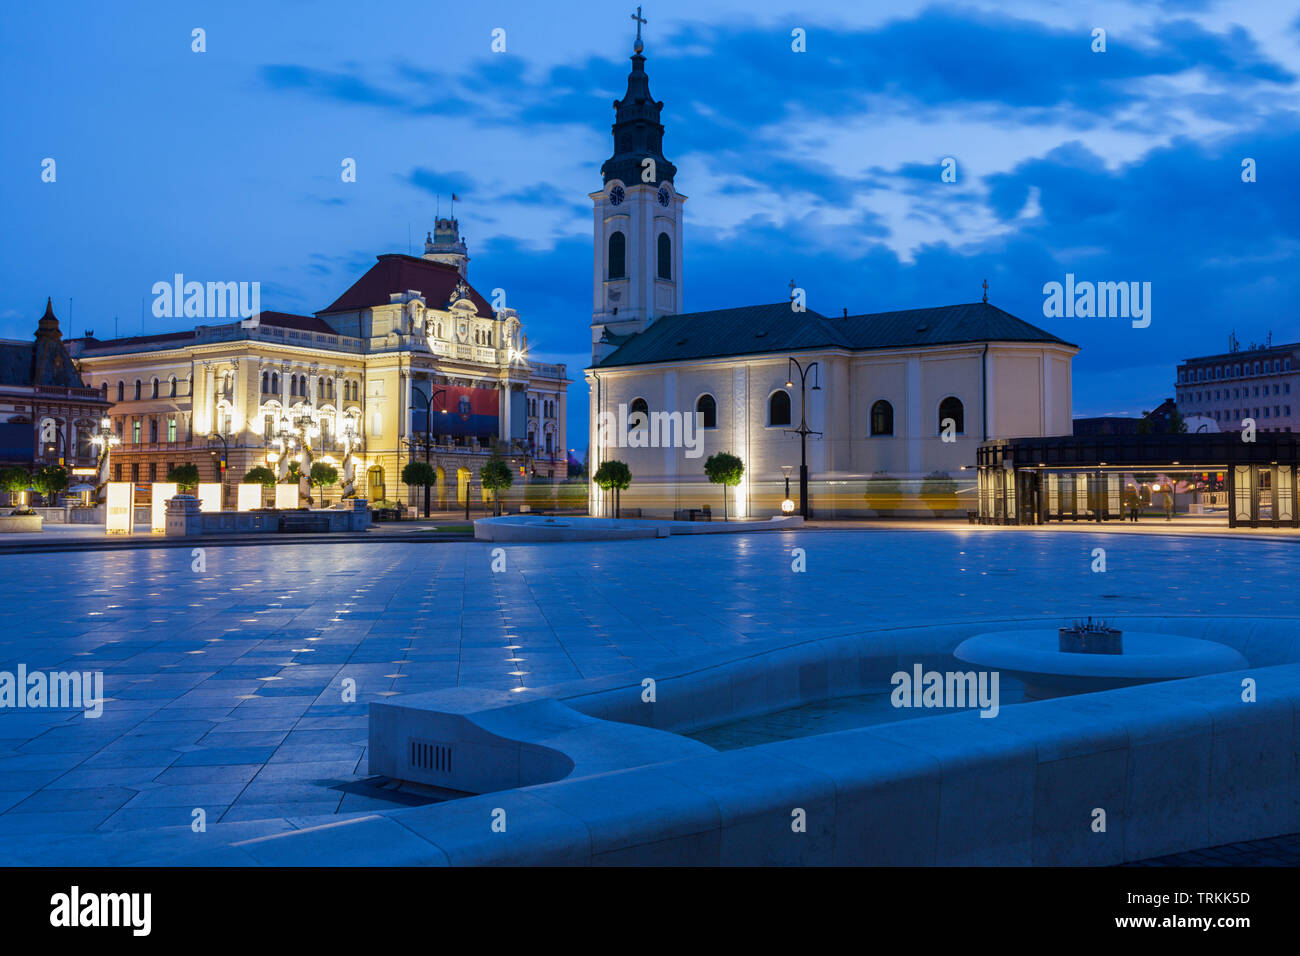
(882, 413)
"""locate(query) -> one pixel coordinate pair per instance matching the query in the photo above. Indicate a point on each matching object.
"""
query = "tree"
(185, 476)
(420, 474)
(49, 480)
(724, 469)
(323, 475)
(616, 475)
(260, 476)
(14, 481)
(496, 476)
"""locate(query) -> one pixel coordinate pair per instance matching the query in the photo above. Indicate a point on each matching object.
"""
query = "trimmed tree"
(323, 475)
(186, 477)
(420, 474)
(613, 475)
(724, 469)
(49, 480)
(14, 481)
(260, 475)
(496, 476)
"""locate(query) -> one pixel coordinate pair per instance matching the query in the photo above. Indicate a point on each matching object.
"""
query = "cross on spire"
(639, 20)
(986, 290)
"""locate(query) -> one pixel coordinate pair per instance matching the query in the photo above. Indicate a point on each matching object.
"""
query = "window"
(951, 407)
(638, 407)
(153, 471)
(135, 432)
(135, 473)
(275, 382)
(665, 256)
(153, 430)
(171, 428)
(171, 382)
(882, 418)
(117, 471)
(778, 408)
(153, 389)
(617, 255)
(266, 380)
(707, 407)
(137, 388)
(104, 391)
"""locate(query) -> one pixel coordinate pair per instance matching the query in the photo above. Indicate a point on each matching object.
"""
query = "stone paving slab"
(238, 679)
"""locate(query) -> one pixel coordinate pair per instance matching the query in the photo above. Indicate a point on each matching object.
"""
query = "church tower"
(637, 221)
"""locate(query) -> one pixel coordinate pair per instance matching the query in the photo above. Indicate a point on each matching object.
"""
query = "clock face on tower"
(616, 196)
(663, 196)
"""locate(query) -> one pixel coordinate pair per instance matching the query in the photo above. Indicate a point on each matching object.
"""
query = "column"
(503, 412)
(918, 429)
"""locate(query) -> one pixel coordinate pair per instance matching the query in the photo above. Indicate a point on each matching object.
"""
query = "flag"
(455, 198)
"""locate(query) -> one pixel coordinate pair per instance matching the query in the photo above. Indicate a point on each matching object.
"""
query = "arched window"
(952, 408)
(640, 407)
(778, 408)
(275, 382)
(266, 381)
(882, 418)
(171, 383)
(708, 410)
(104, 391)
(617, 255)
(665, 256)
(137, 388)
(153, 386)
(121, 390)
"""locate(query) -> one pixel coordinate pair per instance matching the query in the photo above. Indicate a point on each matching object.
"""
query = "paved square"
(226, 688)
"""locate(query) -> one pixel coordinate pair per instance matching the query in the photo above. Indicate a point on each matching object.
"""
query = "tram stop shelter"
(1212, 477)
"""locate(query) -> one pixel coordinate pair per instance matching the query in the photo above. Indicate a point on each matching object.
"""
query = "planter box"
(15, 524)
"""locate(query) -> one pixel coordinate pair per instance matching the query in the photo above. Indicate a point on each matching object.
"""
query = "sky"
(822, 166)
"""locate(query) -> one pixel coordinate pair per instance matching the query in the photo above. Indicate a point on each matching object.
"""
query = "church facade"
(893, 405)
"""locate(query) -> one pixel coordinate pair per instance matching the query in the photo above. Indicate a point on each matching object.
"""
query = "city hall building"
(900, 398)
(409, 340)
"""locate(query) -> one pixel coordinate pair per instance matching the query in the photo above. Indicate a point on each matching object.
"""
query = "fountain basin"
(1035, 658)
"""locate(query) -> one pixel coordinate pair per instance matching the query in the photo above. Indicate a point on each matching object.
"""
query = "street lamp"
(105, 439)
(803, 431)
(428, 429)
(225, 455)
(787, 506)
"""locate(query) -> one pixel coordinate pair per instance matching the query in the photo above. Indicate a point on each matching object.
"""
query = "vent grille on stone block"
(426, 755)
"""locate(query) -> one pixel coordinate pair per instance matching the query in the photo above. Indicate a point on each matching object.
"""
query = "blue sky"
(821, 166)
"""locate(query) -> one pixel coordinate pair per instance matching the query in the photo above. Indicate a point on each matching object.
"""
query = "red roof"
(304, 323)
(395, 272)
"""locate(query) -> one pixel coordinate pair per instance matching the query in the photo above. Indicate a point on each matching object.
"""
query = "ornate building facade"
(903, 398)
(409, 362)
(47, 414)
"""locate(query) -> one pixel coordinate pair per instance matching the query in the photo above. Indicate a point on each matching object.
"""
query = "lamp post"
(803, 431)
(106, 439)
(428, 432)
(787, 506)
(225, 455)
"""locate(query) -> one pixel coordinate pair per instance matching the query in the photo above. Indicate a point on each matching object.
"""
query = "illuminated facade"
(47, 414)
(903, 398)
(350, 385)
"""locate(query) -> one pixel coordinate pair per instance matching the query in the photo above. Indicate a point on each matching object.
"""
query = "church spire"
(638, 134)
